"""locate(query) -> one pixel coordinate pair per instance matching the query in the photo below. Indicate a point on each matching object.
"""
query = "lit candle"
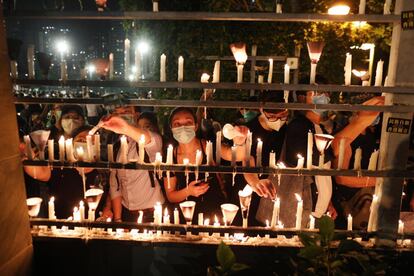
(30, 61)
(373, 161)
(163, 60)
(123, 151)
(259, 153)
(111, 66)
(127, 45)
(180, 69)
(311, 222)
(275, 214)
(299, 212)
(186, 161)
(69, 150)
(301, 161)
(233, 155)
(141, 147)
(166, 218)
(89, 147)
(51, 208)
(216, 221)
(155, 5)
(278, 7)
(362, 4)
(110, 153)
(82, 210)
(260, 79)
(378, 74)
(387, 6)
(199, 161)
(140, 216)
(348, 69)
(97, 145)
(310, 151)
(373, 214)
(240, 73)
(349, 228)
(28, 147)
(270, 74)
(216, 72)
(207, 222)
(62, 149)
(209, 153)
(272, 159)
(341, 154)
(287, 81)
(169, 161)
(248, 148)
(357, 159)
(158, 213)
(76, 214)
(313, 73)
(200, 219)
(176, 216)
(80, 153)
(218, 147)
(400, 227)
(51, 150)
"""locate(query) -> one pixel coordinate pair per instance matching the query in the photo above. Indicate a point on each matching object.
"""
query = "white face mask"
(69, 125)
(276, 125)
(183, 134)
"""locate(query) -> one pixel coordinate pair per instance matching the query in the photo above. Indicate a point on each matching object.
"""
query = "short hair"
(272, 97)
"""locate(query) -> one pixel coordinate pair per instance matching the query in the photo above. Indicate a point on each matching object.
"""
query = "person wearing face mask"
(72, 117)
(132, 191)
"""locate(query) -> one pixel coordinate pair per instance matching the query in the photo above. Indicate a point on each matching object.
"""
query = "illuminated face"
(183, 118)
(145, 124)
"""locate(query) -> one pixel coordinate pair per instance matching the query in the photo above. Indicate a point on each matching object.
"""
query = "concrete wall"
(16, 248)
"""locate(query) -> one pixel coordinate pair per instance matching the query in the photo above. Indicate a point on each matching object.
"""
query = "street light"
(62, 46)
(142, 47)
(339, 9)
(91, 69)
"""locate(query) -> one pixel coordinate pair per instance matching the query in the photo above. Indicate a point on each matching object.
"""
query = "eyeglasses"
(273, 117)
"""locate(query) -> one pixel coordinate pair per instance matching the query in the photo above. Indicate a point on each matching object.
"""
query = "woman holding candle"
(71, 118)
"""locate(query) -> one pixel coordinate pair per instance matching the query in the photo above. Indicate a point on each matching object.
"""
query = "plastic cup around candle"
(33, 205)
(245, 197)
(323, 141)
(93, 196)
(229, 132)
(40, 138)
(229, 212)
(315, 50)
(187, 207)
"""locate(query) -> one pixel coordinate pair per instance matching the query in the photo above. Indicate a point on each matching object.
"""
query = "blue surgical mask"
(320, 99)
(183, 134)
(250, 115)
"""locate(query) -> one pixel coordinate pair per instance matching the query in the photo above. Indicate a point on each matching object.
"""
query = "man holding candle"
(133, 191)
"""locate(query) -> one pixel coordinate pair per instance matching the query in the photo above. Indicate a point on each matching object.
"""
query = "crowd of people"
(131, 192)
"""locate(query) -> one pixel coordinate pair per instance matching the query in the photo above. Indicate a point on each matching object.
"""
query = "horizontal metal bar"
(249, 58)
(196, 229)
(202, 16)
(221, 104)
(222, 85)
(223, 169)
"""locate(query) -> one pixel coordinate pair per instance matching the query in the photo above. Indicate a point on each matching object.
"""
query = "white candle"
(80, 153)
(28, 147)
(13, 69)
(123, 151)
(176, 216)
(270, 74)
(169, 161)
(301, 161)
(141, 147)
(349, 228)
(233, 155)
(140, 216)
(362, 4)
(186, 162)
(365, 83)
(309, 151)
(311, 222)
(278, 8)
(373, 161)
(63, 71)
(216, 72)
(111, 66)
(82, 210)
(155, 5)
(387, 6)
(357, 159)
(127, 45)
(299, 212)
(51, 150)
(218, 147)
(348, 69)
(51, 208)
(89, 147)
(200, 219)
(62, 149)
(275, 214)
(216, 221)
(180, 69)
(138, 73)
(30, 61)
(248, 148)
(341, 153)
(97, 145)
(207, 222)
(286, 81)
(166, 218)
(272, 159)
(259, 153)
(91, 215)
(260, 79)
(373, 214)
(199, 161)
(158, 213)
(400, 227)
(313, 73)
(378, 74)
(209, 152)
(240, 73)
(69, 150)
(163, 76)
(110, 153)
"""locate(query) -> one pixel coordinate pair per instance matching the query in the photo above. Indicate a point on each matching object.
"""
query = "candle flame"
(207, 222)
(186, 161)
(349, 216)
(298, 198)
(204, 78)
(142, 138)
(281, 165)
(61, 139)
(75, 209)
(108, 220)
(79, 151)
(81, 203)
(259, 140)
(280, 225)
(267, 223)
(52, 199)
(216, 219)
(165, 211)
(300, 156)
(374, 197)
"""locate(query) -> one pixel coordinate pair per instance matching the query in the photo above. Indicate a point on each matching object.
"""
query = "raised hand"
(197, 188)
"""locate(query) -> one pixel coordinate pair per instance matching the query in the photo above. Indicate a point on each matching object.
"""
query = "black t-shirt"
(67, 187)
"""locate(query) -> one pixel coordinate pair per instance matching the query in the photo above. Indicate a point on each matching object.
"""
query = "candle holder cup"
(229, 212)
(33, 205)
(40, 138)
(187, 207)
